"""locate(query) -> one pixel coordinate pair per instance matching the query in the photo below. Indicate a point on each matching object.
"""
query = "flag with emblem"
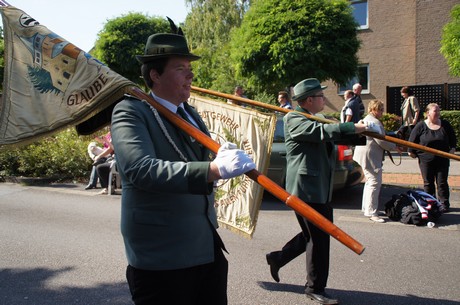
(49, 83)
(238, 200)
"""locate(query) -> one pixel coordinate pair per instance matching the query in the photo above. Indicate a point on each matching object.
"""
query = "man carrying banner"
(168, 221)
(310, 165)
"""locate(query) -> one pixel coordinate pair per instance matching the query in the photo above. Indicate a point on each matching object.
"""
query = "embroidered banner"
(238, 200)
(49, 83)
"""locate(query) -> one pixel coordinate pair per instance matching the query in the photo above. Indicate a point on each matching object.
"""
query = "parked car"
(347, 172)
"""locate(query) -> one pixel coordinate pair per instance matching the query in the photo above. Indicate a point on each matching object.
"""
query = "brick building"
(400, 42)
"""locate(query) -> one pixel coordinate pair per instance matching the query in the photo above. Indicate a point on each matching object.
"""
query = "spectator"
(98, 155)
(310, 166)
(370, 157)
(347, 113)
(283, 100)
(103, 168)
(357, 88)
(93, 151)
(410, 113)
(240, 93)
(168, 221)
(356, 104)
(103, 171)
(436, 133)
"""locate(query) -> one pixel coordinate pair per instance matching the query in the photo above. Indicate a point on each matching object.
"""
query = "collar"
(300, 109)
(171, 107)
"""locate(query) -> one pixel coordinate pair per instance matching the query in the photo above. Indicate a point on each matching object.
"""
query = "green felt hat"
(165, 45)
(306, 88)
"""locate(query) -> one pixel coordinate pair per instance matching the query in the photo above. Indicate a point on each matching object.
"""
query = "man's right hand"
(360, 127)
(230, 162)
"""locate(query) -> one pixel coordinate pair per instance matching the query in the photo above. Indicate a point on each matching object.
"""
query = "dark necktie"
(191, 142)
(183, 114)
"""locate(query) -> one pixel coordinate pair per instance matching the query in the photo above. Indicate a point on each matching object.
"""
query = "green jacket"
(310, 155)
(167, 212)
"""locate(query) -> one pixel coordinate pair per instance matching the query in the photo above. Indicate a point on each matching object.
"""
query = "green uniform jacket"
(311, 156)
(167, 213)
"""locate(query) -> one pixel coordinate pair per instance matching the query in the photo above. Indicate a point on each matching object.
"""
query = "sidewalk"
(416, 180)
(408, 172)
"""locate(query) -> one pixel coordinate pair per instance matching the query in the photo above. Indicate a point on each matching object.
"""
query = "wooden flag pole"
(290, 200)
(397, 141)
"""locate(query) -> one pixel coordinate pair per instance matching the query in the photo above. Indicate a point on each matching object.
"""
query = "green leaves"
(62, 156)
(207, 28)
(283, 42)
(450, 42)
(123, 38)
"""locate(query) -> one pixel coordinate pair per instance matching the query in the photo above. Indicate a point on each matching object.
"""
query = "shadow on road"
(360, 297)
(31, 286)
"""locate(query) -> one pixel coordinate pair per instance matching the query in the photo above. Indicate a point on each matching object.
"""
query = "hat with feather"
(164, 45)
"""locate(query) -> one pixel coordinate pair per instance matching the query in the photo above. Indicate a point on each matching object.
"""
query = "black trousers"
(316, 245)
(199, 285)
(437, 171)
(103, 171)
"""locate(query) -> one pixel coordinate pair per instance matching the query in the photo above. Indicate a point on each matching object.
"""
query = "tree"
(123, 38)
(450, 41)
(207, 29)
(284, 41)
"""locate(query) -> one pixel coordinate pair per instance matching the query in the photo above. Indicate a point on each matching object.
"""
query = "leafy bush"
(391, 122)
(62, 156)
(335, 115)
(454, 119)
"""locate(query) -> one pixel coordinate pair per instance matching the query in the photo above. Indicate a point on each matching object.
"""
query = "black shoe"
(274, 267)
(89, 186)
(444, 208)
(322, 298)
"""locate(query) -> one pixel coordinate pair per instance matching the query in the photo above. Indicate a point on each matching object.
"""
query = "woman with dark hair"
(410, 112)
(436, 133)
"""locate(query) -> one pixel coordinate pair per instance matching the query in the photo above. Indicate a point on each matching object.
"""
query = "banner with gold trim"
(238, 200)
(49, 84)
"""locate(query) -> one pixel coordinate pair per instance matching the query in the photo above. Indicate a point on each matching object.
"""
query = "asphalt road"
(61, 245)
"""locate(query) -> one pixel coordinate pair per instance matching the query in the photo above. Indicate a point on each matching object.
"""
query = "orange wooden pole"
(397, 141)
(292, 201)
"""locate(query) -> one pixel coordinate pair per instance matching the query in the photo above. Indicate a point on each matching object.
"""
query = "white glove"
(372, 127)
(232, 162)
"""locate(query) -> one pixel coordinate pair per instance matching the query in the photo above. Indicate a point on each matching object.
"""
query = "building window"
(362, 78)
(360, 13)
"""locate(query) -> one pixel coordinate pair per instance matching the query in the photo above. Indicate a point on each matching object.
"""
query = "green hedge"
(63, 157)
(453, 117)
